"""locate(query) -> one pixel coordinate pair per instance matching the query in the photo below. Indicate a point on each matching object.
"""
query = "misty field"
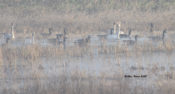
(87, 47)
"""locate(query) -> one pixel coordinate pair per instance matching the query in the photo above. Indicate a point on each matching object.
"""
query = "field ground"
(99, 64)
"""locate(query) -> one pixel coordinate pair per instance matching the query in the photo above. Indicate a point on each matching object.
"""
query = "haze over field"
(87, 46)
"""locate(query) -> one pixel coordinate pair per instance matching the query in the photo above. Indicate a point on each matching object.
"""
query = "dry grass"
(84, 24)
(35, 52)
(37, 79)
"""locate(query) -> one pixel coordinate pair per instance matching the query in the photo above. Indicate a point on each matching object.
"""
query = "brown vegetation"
(37, 69)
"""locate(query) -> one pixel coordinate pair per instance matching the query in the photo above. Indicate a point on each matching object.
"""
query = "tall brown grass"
(35, 52)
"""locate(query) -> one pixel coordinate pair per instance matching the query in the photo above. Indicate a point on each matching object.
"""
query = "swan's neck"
(13, 32)
(33, 37)
(119, 32)
(115, 28)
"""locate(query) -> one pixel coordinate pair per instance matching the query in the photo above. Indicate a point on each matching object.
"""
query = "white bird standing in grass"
(160, 37)
(121, 33)
(13, 31)
(119, 30)
(116, 33)
(10, 36)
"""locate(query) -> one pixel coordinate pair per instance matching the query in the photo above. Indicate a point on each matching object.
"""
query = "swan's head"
(119, 24)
